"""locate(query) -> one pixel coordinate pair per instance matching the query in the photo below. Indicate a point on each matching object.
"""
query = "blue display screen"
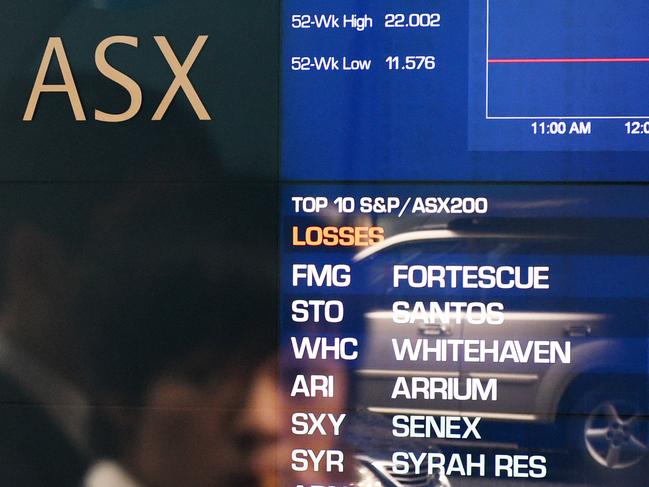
(489, 90)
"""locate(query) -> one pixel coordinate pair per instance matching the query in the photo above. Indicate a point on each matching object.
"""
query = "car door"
(379, 369)
(534, 316)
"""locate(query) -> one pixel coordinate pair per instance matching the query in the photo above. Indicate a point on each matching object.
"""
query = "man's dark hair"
(180, 279)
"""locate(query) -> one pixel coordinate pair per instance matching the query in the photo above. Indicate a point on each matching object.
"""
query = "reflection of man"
(177, 303)
(45, 421)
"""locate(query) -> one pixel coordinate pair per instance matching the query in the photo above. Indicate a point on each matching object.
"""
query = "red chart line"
(569, 60)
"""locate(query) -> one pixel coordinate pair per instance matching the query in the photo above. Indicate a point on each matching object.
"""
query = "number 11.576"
(411, 63)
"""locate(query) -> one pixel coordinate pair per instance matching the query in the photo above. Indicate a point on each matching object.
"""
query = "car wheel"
(612, 432)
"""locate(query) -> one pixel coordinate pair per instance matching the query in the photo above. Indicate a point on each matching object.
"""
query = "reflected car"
(595, 313)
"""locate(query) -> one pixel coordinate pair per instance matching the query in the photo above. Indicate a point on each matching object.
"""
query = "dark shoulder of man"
(33, 451)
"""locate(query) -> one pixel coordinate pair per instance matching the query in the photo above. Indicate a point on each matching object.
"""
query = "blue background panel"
(431, 125)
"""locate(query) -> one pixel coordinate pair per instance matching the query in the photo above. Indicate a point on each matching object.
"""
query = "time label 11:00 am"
(562, 127)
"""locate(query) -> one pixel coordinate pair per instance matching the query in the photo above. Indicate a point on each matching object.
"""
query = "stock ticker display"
(324, 243)
(464, 241)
